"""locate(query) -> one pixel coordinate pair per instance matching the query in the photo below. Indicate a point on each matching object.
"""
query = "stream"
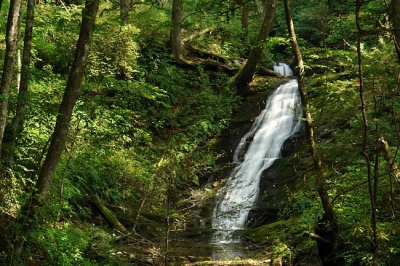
(257, 151)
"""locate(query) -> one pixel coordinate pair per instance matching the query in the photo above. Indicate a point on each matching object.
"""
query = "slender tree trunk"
(245, 75)
(391, 166)
(15, 127)
(61, 129)
(245, 19)
(392, 170)
(124, 10)
(364, 150)
(176, 31)
(329, 221)
(13, 23)
(19, 68)
(395, 17)
(167, 226)
(71, 93)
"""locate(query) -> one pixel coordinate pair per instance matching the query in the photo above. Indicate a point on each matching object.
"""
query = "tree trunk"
(364, 150)
(71, 93)
(19, 68)
(395, 17)
(245, 19)
(176, 31)
(328, 225)
(15, 127)
(61, 129)
(245, 75)
(391, 165)
(13, 23)
(392, 170)
(124, 10)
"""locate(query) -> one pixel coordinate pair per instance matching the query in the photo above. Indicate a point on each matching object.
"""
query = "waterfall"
(276, 123)
(283, 69)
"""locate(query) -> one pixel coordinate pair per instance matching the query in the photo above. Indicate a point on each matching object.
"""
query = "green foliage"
(67, 244)
(145, 128)
(281, 250)
(117, 53)
(55, 35)
(64, 245)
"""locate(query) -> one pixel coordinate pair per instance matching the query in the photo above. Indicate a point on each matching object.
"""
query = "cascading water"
(283, 69)
(277, 122)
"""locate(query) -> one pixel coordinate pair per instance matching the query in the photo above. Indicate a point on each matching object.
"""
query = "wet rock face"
(245, 116)
(276, 181)
(275, 184)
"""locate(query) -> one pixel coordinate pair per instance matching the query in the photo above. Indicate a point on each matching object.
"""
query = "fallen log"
(316, 237)
(207, 54)
(207, 64)
(213, 65)
(108, 215)
(230, 65)
(262, 71)
(196, 35)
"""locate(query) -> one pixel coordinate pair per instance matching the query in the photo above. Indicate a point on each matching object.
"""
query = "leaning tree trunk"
(328, 225)
(61, 129)
(395, 17)
(364, 150)
(176, 31)
(71, 93)
(13, 23)
(245, 75)
(15, 127)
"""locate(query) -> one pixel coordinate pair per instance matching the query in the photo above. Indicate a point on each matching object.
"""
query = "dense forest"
(122, 122)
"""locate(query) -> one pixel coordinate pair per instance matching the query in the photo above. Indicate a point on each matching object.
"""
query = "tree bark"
(245, 75)
(395, 17)
(364, 150)
(392, 170)
(124, 10)
(19, 68)
(61, 129)
(15, 127)
(329, 221)
(391, 165)
(245, 19)
(13, 23)
(176, 31)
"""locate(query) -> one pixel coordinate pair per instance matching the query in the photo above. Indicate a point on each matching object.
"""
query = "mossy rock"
(285, 238)
(268, 234)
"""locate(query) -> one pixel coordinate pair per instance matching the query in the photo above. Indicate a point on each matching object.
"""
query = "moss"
(268, 234)
(285, 239)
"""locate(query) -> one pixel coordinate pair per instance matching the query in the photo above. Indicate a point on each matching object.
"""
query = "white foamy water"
(283, 69)
(276, 123)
